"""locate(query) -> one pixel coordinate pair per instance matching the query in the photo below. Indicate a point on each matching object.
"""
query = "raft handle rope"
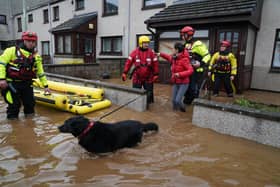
(116, 109)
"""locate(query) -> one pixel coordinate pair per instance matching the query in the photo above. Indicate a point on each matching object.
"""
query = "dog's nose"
(61, 128)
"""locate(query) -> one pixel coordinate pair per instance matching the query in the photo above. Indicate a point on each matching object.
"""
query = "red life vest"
(143, 65)
(223, 64)
(22, 67)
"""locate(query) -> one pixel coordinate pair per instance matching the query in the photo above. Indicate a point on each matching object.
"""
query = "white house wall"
(127, 23)
(6, 31)
(262, 78)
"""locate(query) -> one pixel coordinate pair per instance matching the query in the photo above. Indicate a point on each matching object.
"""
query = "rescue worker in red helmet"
(200, 57)
(144, 63)
(18, 66)
(224, 66)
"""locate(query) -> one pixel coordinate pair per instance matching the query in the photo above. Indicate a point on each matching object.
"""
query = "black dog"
(99, 137)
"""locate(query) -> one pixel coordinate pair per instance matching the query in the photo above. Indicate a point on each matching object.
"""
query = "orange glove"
(155, 78)
(124, 77)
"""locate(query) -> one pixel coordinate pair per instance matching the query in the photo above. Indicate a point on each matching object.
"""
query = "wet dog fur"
(106, 137)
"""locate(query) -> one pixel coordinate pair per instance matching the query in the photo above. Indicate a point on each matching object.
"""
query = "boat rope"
(116, 109)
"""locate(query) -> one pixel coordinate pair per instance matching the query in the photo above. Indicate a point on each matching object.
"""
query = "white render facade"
(266, 71)
(128, 23)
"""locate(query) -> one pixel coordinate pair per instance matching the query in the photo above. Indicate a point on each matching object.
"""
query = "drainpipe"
(155, 38)
(11, 26)
(24, 26)
(128, 27)
(50, 33)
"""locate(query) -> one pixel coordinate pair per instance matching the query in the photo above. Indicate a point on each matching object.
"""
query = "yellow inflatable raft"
(95, 93)
(74, 104)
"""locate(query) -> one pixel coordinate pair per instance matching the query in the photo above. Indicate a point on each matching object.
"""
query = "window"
(88, 45)
(111, 45)
(275, 65)
(55, 13)
(150, 4)
(110, 7)
(46, 16)
(19, 24)
(30, 18)
(45, 48)
(3, 19)
(63, 44)
(67, 44)
(80, 4)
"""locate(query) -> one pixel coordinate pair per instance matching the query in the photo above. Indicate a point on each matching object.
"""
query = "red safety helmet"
(28, 35)
(187, 30)
(225, 43)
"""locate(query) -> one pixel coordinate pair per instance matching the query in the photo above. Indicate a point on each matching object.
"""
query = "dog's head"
(74, 125)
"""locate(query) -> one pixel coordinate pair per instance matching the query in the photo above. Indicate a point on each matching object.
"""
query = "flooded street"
(34, 153)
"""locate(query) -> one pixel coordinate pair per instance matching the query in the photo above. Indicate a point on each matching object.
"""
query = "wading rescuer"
(18, 66)
(200, 57)
(224, 66)
(144, 63)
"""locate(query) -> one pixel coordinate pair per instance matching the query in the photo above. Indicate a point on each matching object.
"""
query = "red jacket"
(180, 64)
(145, 64)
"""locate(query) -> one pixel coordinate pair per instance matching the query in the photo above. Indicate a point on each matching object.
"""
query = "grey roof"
(199, 9)
(74, 22)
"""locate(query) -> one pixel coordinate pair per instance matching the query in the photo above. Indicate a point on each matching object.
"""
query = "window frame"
(64, 35)
(42, 49)
(276, 39)
(79, 8)
(46, 16)
(5, 19)
(56, 13)
(19, 24)
(111, 52)
(104, 14)
(148, 7)
(30, 18)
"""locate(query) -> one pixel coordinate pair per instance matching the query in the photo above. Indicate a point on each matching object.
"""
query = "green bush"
(259, 106)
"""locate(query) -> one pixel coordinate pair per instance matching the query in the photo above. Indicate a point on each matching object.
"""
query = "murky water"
(34, 153)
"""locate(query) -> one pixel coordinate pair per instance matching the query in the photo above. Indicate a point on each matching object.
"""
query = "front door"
(89, 50)
(234, 37)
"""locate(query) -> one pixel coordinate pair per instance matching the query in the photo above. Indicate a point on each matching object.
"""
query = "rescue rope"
(116, 109)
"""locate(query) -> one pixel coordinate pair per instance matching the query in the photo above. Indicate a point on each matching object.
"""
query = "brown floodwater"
(34, 153)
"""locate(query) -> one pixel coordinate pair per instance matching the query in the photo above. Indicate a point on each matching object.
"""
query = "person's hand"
(196, 64)
(47, 91)
(231, 77)
(155, 78)
(124, 77)
(209, 74)
(158, 54)
(3, 84)
(176, 75)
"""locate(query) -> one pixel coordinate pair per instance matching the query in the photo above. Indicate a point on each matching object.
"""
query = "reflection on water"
(33, 153)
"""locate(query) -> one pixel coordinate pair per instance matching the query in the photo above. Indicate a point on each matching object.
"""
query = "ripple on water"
(11, 177)
(6, 128)
(8, 152)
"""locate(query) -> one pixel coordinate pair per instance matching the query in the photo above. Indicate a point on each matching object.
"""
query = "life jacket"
(196, 55)
(143, 67)
(22, 68)
(223, 64)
